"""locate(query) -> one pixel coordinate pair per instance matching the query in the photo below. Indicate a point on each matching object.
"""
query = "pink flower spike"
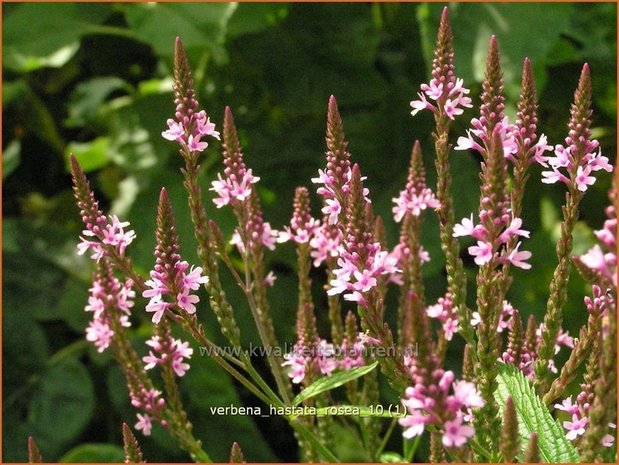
(456, 434)
(482, 252)
(568, 406)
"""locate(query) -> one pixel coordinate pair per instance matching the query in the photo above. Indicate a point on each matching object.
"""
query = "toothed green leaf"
(533, 416)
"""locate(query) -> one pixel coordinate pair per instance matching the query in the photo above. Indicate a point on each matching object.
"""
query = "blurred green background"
(94, 80)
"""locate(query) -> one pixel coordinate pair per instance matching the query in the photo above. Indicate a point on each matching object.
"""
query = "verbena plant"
(510, 401)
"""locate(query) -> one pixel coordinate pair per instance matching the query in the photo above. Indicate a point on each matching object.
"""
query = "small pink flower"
(576, 427)
(414, 425)
(421, 104)
(144, 424)
(583, 179)
(456, 434)
(186, 301)
(517, 258)
(175, 131)
(513, 230)
(466, 393)
(568, 406)
(333, 209)
(100, 334)
(158, 307)
(482, 252)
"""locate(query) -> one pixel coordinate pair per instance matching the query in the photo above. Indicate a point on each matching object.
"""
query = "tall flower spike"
(34, 454)
(169, 276)
(336, 176)
(190, 124)
(509, 444)
(579, 160)
(578, 157)
(531, 454)
(133, 453)
(445, 90)
(491, 116)
(416, 197)
(103, 236)
(528, 148)
(236, 454)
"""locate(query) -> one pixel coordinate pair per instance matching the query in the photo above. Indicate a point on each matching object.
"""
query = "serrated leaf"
(534, 417)
(334, 381)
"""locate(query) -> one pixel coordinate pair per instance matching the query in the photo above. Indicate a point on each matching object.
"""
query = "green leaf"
(391, 457)
(200, 25)
(91, 155)
(86, 99)
(94, 453)
(38, 35)
(11, 157)
(331, 382)
(533, 416)
(31, 113)
(250, 18)
(61, 407)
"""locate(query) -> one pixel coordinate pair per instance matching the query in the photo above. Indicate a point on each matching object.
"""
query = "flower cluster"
(177, 285)
(106, 231)
(485, 251)
(575, 162)
(150, 402)
(445, 312)
(236, 188)
(323, 357)
(522, 350)
(190, 125)
(445, 89)
(109, 299)
(416, 196)
(602, 261)
(303, 226)
(326, 242)
(449, 99)
(579, 420)
(362, 260)
(188, 130)
(169, 351)
(443, 402)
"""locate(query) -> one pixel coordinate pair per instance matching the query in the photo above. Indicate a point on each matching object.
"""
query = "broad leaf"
(61, 407)
(534, 417)
(94, 453)
(331, 382)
